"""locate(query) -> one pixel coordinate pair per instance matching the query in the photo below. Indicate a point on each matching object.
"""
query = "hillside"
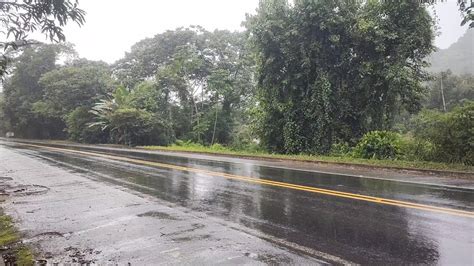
(459, 57)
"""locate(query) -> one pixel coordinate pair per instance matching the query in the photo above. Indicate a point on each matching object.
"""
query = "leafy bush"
(340, 149)
(133, 126)
(179, 143)
(197, 146)
(379, 145)
(187, 144)
(244, 140)
(415, 149)
(78, 127)
(218, 147)
(452, 133)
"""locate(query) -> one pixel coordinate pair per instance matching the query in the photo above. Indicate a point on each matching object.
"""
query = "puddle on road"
(24, 190)
(191, 238)
(159, 215)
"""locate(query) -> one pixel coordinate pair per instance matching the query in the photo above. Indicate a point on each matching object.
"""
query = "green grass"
(8, 234)
(219, 149)
(9, 237)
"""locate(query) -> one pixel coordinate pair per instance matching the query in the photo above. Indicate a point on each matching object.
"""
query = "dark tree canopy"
(22, 90)
(307, 76)
(20, 18)
(330, 71)
(205, 77)
(467, 9)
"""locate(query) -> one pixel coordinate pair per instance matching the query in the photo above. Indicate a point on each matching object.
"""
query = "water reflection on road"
(355, 230)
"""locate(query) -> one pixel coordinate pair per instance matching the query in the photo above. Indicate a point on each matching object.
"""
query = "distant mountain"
(459, 57)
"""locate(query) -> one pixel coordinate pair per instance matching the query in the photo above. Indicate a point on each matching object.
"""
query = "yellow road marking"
(341, 194)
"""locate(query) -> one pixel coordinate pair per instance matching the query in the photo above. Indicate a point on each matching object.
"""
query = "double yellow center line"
(336, 193)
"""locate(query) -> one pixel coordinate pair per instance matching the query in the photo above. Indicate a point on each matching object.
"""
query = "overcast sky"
(113, 26)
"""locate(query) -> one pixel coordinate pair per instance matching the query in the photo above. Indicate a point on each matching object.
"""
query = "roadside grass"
(221, 150)
(10, 243)
(8, 234)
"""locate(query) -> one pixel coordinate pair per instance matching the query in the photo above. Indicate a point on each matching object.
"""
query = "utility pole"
(442, 93)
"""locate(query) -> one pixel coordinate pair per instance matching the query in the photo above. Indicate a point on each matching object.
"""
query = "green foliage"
(467, 11)
(244, 139)
(379, 145)
(133, 126)
(214, 148)
(25, 257)
(331, 71)
(8, 233)
(127, 124)
(40, 95)
(22, 90)
(121, 96)
(451, 133)
(456, 90)
(217, 147)
(340, 149)
(316, 158)
(149, 97)
(80, 83)
(79, 129)
(9, 238)
(203, 80)
(4, 123)
(416, 149)
(19, 19)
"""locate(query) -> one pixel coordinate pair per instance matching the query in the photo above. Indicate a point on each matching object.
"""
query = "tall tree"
(149, 55)
(22, 90)
(331, 70)
(203, 76)
(80, 83)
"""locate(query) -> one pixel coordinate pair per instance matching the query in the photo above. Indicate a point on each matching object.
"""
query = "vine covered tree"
(329, 71)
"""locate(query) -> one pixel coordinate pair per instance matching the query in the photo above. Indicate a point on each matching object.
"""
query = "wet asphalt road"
(355, 230)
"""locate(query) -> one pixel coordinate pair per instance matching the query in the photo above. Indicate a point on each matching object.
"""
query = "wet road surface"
(361, 220)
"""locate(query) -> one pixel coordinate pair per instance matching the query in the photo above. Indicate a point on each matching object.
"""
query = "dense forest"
(305, 77)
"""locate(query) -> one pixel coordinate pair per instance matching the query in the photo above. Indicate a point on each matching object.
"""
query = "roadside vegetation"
(11, 249)
(346, 156)
(308, 80)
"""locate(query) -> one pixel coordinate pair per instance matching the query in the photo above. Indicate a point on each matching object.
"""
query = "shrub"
(452, 133)
(245, 140)
(133, 126)
(179, 143)
(340, 149)
(218, 147)
(78, 128)
(188, 144)
(379, 145)
(415, 149)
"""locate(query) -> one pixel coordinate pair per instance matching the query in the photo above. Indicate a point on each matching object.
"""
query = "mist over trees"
(304, 77)
(458, 58)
